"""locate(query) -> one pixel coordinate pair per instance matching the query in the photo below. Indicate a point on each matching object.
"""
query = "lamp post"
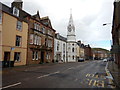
(106, 24)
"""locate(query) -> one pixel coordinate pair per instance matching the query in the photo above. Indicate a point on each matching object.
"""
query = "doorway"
(6, 59)
(42, 57)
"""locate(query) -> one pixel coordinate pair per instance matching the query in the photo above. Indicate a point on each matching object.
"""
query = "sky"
(88, 16)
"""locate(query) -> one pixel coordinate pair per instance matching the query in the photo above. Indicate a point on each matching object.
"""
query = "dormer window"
(15, 11)
(37, 26)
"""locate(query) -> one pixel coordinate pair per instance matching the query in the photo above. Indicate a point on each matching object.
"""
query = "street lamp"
(106, 24)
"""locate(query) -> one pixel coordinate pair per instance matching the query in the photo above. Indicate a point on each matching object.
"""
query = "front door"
(42, 57)
(6, 59)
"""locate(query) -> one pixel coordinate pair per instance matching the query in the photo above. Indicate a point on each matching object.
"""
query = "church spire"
(71, 19)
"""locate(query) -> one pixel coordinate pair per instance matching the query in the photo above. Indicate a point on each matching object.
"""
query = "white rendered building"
(60, 43)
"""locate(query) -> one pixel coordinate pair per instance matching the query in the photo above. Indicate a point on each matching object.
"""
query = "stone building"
(80, 50)
(13, 35)
(116, 32)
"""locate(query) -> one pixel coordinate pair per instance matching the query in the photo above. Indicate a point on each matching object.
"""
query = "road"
(88, 74)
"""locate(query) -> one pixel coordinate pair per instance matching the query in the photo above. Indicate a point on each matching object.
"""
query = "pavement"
(24, 67)
(115, 72)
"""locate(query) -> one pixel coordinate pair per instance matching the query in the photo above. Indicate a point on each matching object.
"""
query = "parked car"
(81, 60)
(105, 60)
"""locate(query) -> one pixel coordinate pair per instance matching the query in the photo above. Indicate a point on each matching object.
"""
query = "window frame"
(33, 55)
(36, 55)
(18, 42)
(15, 56)
(19, 25)
(17, 11)
(31, 41)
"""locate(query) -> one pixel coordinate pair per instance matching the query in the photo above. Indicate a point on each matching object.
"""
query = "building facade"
(13, 34)
(60, 47)
(40, 40)
(88, 52)
(116, 32)
(71, 41)
(80, 50)
(99, 54)
(24, 39)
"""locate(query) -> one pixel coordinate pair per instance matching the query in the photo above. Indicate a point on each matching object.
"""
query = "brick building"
(88, 52)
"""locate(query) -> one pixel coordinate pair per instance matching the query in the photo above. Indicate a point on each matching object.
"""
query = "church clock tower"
(71, 41)
(71, 30)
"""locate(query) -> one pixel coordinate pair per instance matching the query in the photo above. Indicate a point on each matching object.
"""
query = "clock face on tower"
(69, 29)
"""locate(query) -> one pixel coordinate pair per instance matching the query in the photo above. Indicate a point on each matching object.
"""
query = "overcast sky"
(88, 16)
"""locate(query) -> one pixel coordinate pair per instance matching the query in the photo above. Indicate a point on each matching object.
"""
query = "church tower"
(71, 41)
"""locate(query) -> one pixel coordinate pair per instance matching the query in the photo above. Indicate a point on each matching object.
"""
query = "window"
(73, 57)
(16, 11)
(73, 50)
(33, 55)
(0, 17)
(31, 38)
(18, 40)
(49, 43)
(39, 40)
(37, 26)
(43, 29)
(36, 55)
(48, 56)
(69, 49)
(19, 25)
(49, 32)
(17, 56)
(35, 40)
(64, 57)
(63, 48)
(58, 46)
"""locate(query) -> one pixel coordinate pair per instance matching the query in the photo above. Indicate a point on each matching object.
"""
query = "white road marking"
(71, 68)
(11, 85)
(48, 74)
(76, 79)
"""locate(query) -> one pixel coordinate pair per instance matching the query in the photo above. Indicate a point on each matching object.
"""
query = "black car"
(81, 60)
